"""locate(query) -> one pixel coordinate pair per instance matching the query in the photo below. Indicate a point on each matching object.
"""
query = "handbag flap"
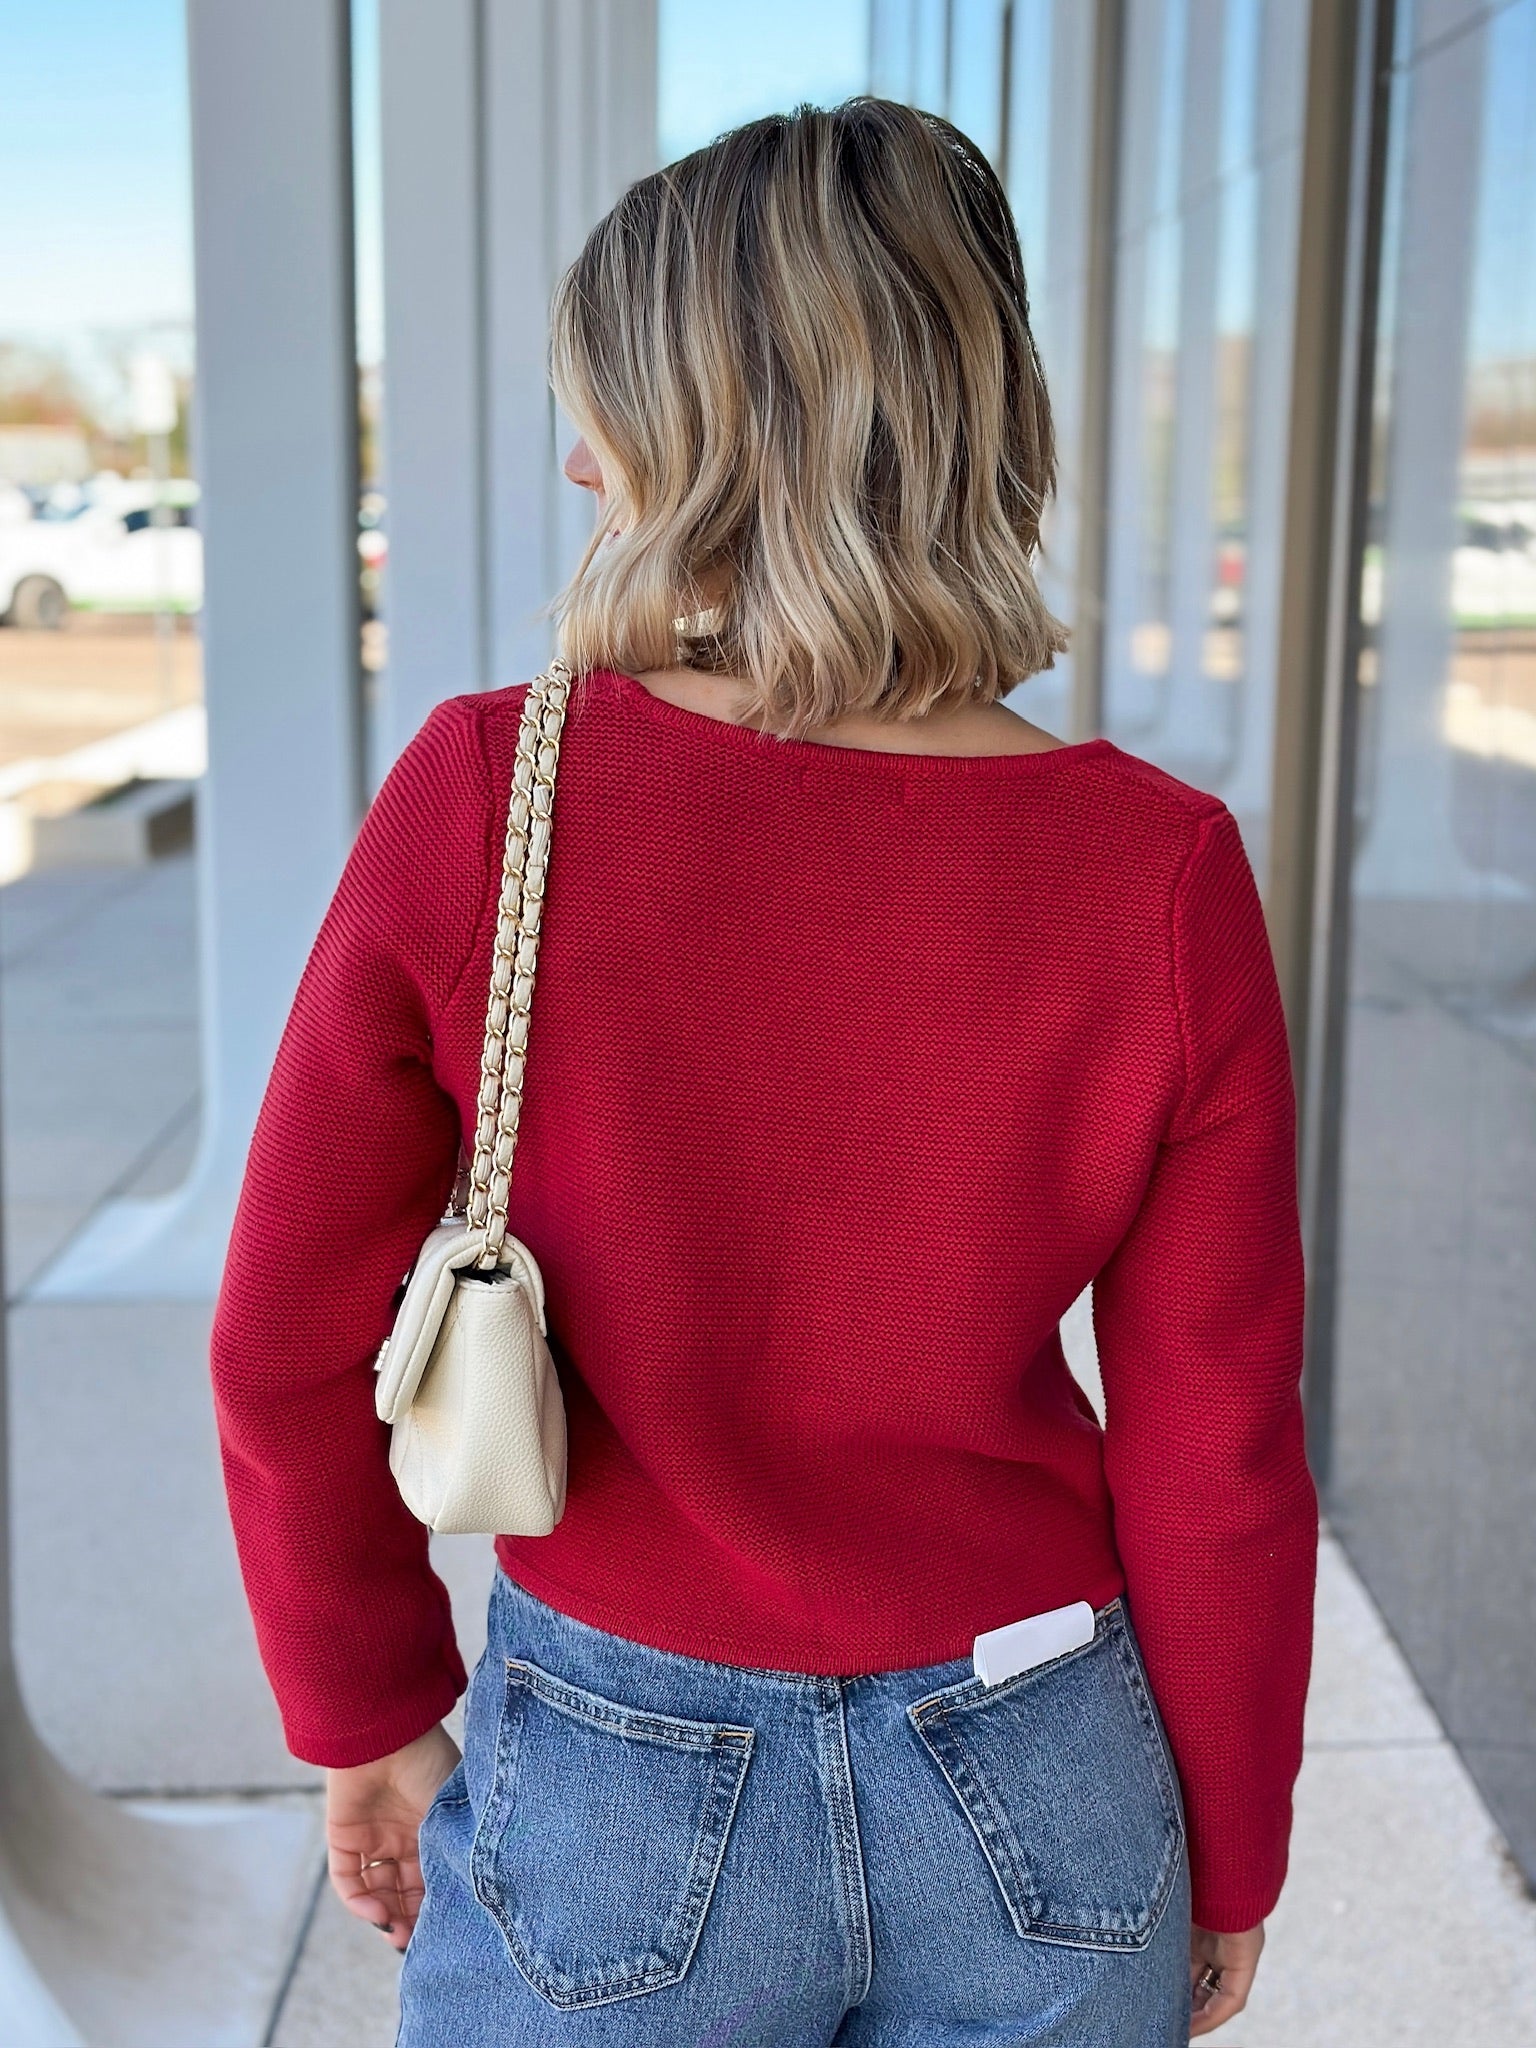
(449, 1251)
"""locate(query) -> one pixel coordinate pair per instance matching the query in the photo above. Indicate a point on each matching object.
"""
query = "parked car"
(109, 547)
(101, 547)
(1492, 580)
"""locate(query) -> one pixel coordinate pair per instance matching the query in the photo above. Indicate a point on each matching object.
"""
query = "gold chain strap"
(525, 863)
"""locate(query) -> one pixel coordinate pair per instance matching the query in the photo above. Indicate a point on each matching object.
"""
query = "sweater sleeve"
(1198, 1317)
(351, 1164)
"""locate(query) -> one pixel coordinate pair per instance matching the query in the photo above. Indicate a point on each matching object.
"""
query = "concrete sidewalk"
(1404, 1923)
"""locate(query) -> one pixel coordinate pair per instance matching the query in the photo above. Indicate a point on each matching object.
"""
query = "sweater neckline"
(742, 738)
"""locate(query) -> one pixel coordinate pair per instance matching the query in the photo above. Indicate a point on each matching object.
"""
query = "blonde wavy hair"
(802, 357)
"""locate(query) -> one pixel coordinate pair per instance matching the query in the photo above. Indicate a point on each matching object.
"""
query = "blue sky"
(95, 206)
(95, 226)
(723, 63)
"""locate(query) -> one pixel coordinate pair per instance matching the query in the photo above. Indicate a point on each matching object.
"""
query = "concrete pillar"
(435, 458)
(1277, 148)
(126, 1924)
(1135, 683)
(140, 1926)
(1054, 187)
(507, 130)
(1193, 738)
(570, 100)
(276, 434)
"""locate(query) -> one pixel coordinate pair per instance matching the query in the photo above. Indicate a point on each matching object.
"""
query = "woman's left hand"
(1236, 1956)
(373, 1816)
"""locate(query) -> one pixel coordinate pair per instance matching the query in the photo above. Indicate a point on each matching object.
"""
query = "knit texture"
(848, 1072)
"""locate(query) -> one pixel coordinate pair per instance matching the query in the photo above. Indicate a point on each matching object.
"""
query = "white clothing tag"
(1004, 1652)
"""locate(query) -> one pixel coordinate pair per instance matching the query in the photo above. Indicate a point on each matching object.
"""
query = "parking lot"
(102, 673)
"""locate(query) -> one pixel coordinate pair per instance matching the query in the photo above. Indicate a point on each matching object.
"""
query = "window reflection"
(1018, 79)
(1205, 272)
(1435, 1444)
(1047, 103)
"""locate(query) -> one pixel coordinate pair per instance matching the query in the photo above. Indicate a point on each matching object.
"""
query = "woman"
(872, 1025)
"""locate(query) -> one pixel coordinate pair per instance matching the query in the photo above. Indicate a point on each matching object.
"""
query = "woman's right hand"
(373, 1815)
(1236, 1956)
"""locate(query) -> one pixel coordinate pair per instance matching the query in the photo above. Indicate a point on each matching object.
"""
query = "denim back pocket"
(1064, 1776)
(602, 1837)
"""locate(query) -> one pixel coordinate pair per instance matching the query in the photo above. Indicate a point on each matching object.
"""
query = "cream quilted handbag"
(465, 1378)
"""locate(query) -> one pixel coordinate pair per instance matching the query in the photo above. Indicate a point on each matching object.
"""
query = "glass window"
(1434, 1481)
(1046, 167)
(1204, 286)
(1018, 80)
(96, 381)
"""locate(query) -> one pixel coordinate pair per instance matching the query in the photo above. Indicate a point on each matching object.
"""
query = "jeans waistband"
(935, 1675)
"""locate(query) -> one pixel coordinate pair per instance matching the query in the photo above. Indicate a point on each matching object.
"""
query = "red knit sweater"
(848, 1072)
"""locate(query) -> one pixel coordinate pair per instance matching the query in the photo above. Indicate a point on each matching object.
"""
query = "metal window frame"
(1091, 568)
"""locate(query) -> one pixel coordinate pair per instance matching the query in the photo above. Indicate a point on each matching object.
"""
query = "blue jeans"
(644, 1847)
